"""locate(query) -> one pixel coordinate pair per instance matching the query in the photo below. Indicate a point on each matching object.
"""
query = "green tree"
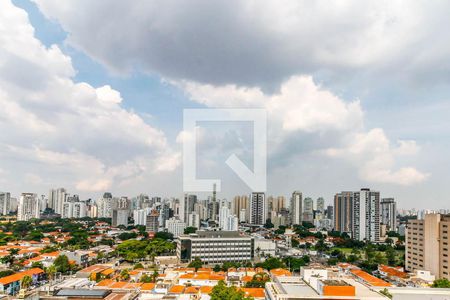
(145, 278)
(258, 281)
(222, 292)
(62, 264)
(196, 263)
(51, 271)
(443, 283)
(190, 229)
(124, 274)
(138, 266)
(26, 282)
(391, 256)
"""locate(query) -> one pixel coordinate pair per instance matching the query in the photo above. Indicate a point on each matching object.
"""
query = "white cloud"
(303, 117)
(77, 135)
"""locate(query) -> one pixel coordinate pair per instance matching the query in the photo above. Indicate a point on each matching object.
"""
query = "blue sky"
(355, 96)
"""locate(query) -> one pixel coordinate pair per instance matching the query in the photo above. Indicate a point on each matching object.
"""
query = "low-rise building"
(215, 247)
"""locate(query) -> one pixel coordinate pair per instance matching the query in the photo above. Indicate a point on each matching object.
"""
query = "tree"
(196, 263)
(138, 266)
(164, 235)
(124, 275)
(271, 263)
(5, 273)
(37, 264)
(268, 224)
(62, 264)
(443, 283)
(51, 271)
(145, 279)
(258, 281)
(26, 282)
(190, 229)
(391, 256)
(217, 268)
(222, 292)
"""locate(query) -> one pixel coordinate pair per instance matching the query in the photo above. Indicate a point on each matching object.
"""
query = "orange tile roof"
(206, 289)
(147, 286)
(107, 272)
(176, 289)
(390, 271)
(20, 275)
(254, 292)
(118, 285)
(191, 290)
(370, 279)
(105, 282)
(246, 278)
(280, 272)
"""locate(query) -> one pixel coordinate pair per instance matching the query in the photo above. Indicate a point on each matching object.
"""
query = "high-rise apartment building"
(5, 203)
(152, 221)
(241, 208)
(427, 245)
(194, 220)
(389, 213)
(258, 209)
(296, 208)
(104, 206)
(320, 204)
(56, 199)
(28, 207)
(187, 205)
(343, 212)
(175, 226)
(74, 210)
(366, 215)
(308, 207)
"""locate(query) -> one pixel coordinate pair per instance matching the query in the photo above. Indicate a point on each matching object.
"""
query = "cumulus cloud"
(73, 133)
(254, 43)
(306, 118)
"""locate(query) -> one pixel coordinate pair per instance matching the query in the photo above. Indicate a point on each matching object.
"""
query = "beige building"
(427, 245)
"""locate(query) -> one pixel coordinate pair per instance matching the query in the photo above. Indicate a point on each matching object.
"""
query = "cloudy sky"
(356, 95)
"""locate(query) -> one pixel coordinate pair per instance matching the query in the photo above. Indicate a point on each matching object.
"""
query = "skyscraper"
(366, 215)
(5, 203)
(308, 207)
(296, 209)
(104, 206)
(343, 212)
(28, 207)
(320, 204)
(187, 205)
(258, 208)
(152, 221)
(241, 208)
(56, 199)
(389, 213)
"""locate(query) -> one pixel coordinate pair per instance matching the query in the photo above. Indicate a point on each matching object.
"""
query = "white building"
(232, 223)
(56, 199)
(296, 208)
(194, 220)
(366, 215)
(140, 217)
(104, 206)
(74, 210)
(28, 207)
(389, 213)
(5, 203)
(175, 226)
(224, 213)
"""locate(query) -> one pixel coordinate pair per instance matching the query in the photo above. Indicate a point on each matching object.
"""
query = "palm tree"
(26, 282)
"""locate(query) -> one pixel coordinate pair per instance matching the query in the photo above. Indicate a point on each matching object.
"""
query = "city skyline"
(82, 116)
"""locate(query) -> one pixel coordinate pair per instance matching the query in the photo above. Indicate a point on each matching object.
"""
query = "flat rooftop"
(215, 234)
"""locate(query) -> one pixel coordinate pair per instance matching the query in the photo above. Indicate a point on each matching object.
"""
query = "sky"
(356, 95)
